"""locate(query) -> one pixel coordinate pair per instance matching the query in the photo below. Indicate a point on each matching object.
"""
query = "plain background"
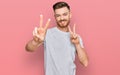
(98, 23)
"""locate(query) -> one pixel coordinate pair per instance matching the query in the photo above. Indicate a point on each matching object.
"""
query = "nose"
(61, 18)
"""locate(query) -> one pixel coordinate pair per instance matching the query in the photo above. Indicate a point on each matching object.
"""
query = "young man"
(60, 43)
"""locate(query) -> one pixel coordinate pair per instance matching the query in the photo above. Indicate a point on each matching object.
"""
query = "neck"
(65, 29)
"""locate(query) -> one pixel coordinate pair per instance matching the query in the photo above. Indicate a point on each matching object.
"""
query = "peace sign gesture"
(39, 32)
(73, 36)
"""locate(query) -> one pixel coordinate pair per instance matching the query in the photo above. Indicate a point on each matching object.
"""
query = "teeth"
(62, 21)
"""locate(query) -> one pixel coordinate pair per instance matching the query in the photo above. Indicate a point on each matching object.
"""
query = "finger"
(47, 24)
(36, 34)
(75, 36)
(34, 31)
(35, 38)
(69, 29)
(74, 28)
(41, 20)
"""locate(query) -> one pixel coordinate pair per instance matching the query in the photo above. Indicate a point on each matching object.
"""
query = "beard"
(63, 23)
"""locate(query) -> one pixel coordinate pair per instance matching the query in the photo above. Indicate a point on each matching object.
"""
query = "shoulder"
(81, 41)
(50, 31)
(80, 37)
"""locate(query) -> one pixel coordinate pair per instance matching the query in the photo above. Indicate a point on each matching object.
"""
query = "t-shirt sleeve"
(81, 42)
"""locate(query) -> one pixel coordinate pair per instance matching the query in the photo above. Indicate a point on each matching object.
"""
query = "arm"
(80, 51)
(82, 55)
(32, 45)
(38, 36)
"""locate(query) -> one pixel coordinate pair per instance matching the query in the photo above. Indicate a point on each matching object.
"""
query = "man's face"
(62, 16)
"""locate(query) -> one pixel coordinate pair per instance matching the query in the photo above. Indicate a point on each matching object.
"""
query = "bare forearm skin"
(32, 45)
(82, 55)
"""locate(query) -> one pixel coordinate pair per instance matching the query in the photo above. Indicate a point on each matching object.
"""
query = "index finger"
(47, 24)
(74, 28)
(41, 20)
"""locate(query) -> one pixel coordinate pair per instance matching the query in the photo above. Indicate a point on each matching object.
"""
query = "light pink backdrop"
(98, 22)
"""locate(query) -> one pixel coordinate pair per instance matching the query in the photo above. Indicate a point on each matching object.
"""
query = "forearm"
(82, 55)
(32, 45)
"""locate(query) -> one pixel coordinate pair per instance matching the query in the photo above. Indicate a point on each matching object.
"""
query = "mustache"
(62, 20)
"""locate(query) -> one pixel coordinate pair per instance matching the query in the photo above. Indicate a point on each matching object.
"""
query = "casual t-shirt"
(59, 53)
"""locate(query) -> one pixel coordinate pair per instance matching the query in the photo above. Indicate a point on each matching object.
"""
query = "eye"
(65, 14)
(57, 15)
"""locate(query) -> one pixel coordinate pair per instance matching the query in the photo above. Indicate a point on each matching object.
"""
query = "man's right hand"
(38, 36)
(40, 32)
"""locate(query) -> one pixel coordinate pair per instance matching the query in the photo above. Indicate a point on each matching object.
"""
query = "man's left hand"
(73, 36)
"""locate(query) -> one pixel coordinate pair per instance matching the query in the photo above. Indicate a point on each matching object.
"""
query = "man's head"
(62, 14)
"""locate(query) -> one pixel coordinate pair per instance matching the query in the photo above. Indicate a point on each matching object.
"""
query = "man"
(60, 43)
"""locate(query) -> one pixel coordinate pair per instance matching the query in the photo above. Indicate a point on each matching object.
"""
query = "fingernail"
(49, 19)
(41, 15)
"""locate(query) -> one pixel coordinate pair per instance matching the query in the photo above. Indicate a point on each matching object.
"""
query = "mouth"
(62, 22)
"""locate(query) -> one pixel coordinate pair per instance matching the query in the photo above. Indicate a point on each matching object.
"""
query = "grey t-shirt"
(59, 53)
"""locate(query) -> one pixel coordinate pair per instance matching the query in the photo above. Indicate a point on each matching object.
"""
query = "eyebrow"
(63, 13)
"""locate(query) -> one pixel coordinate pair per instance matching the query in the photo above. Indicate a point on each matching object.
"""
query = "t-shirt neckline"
(62, 31)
